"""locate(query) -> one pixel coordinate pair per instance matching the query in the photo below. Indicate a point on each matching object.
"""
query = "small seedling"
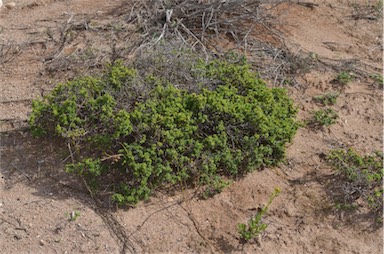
(378, 79)
(255, 226)
(344, 77)
(73, 216)
(327, 99)
(323, 117)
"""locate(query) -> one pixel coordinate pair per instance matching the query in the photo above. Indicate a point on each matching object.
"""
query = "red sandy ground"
(37, 198)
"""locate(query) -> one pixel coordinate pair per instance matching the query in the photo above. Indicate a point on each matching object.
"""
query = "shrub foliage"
(323, 117)
(363, 177)
(144, 132)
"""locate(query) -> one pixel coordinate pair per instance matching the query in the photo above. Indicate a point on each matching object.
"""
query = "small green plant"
(73, 216)
(326, 99)
(344, 78)
(378, 78)
(363, 177)
(255, 226)
(323, 117)
(345, 206)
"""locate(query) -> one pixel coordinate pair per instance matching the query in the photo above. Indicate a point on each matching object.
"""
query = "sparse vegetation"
(73, 216)
(255, 226)
(379, 7)
(377, 78)
(344, 77)
(323, 117)
(345, 206)
(139, 133)
(327, 99)
(363, 177)
(368, 10)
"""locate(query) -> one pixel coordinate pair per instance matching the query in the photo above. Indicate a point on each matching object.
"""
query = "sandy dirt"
(44, 210)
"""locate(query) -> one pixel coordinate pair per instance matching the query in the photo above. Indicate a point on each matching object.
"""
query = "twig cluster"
(8, 51)
(196, 22)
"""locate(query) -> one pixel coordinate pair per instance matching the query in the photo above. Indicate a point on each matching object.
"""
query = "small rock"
(42, 242)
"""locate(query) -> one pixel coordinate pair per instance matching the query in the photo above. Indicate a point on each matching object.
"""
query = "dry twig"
(196, 21)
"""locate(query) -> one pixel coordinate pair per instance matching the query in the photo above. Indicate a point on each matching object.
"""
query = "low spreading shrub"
(326, 99)
(344, 78)
(140, 132)
(363, 178)
(323, 117)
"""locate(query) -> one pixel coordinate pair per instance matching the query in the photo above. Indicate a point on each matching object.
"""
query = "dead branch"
(9, 50)
(197, 21)
(308, 5)
(64, 37)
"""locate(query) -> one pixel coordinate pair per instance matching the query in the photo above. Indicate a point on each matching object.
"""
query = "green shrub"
(363, 177)
(326, 99)
(255, 226)
(323, 117)
(143, 133)
(378, 79)
(344, 78)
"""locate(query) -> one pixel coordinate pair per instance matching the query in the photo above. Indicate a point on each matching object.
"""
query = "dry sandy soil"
(37, 198)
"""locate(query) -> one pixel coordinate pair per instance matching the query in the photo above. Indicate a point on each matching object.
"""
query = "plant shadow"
(38, 163)
(343, 210)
